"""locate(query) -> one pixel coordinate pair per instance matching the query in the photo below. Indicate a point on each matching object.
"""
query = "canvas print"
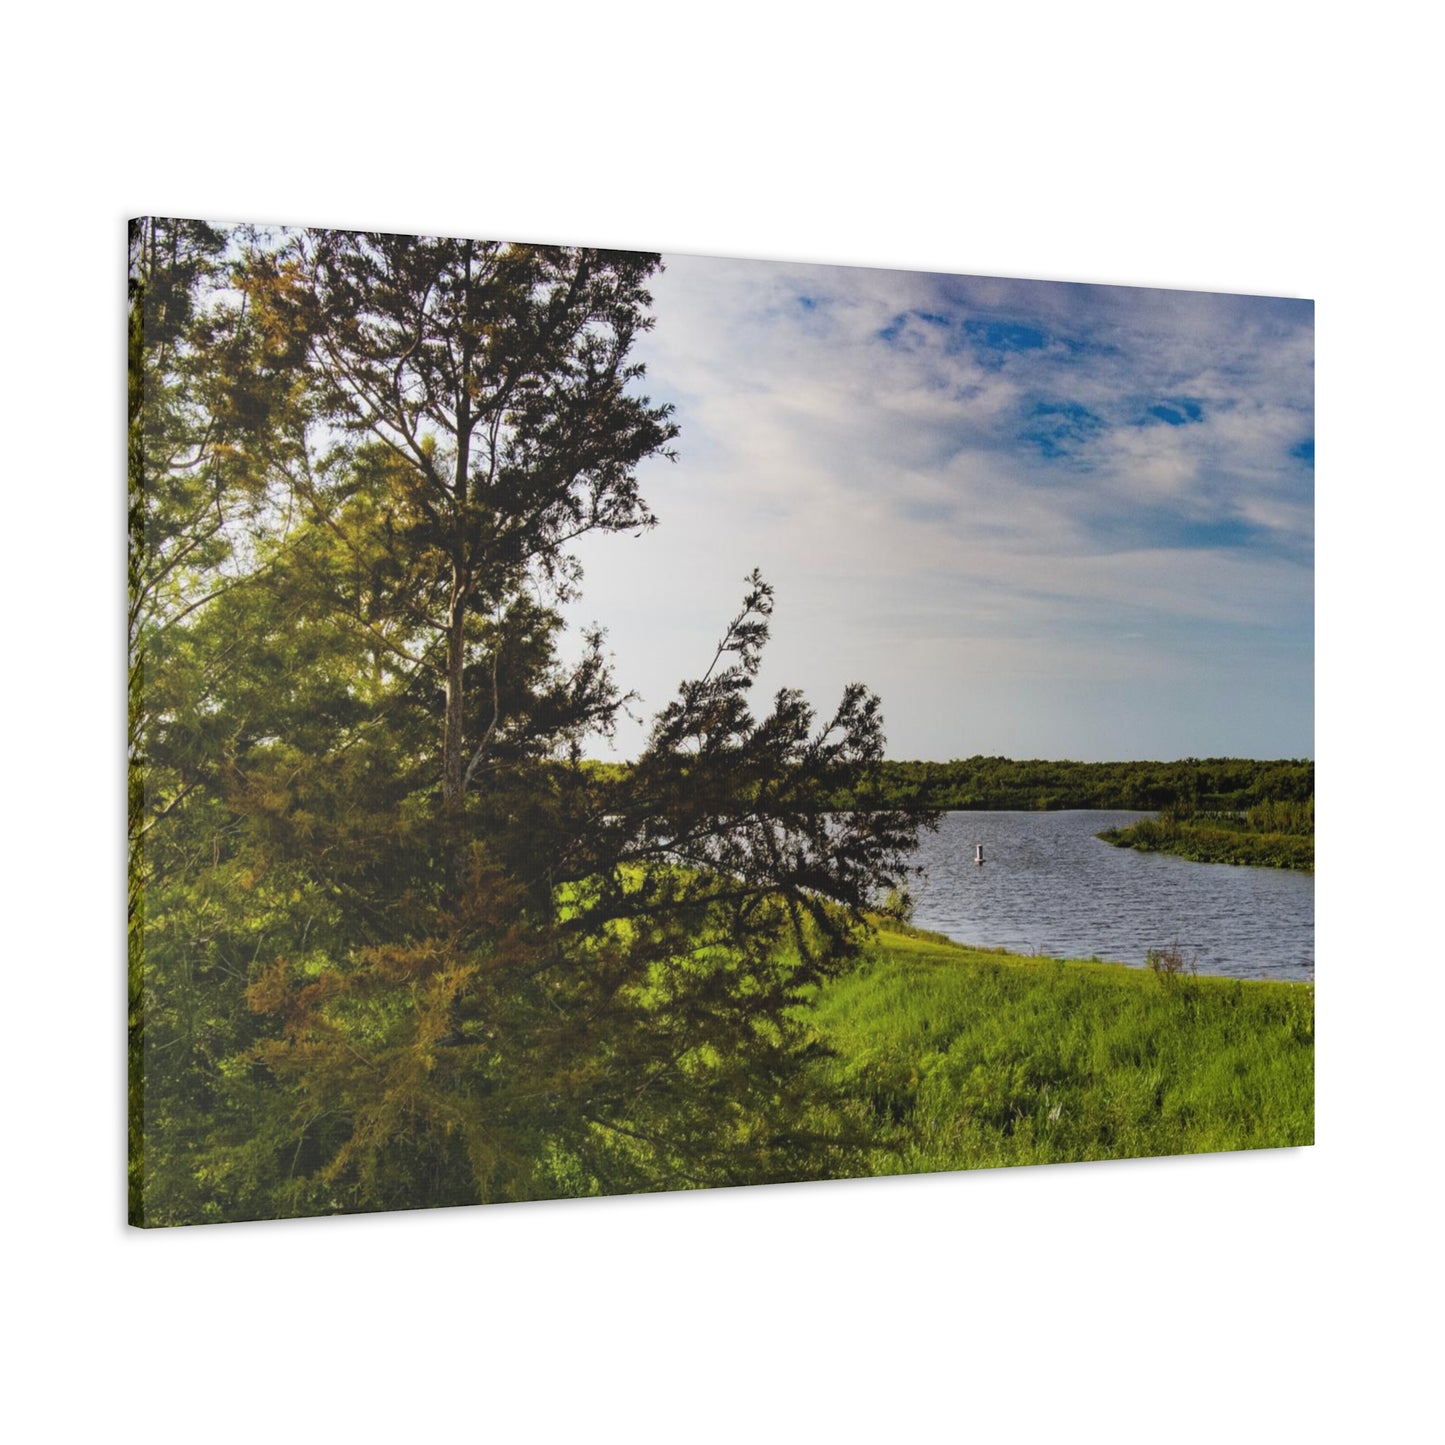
(603, 722)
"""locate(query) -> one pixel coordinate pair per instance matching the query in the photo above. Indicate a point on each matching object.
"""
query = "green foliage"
(606, 1005)
(198, 490)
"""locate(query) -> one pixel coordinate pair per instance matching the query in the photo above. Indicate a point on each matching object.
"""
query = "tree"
(217, 439)
(478, 966)
(615, 1001)
(496, 380)
(189, 486)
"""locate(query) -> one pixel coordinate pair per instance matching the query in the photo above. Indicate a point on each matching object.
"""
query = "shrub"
(1172, 964)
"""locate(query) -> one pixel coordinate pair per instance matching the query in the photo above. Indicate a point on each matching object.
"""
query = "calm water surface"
(1049, 886)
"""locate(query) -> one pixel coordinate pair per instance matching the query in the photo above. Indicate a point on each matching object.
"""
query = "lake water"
(1049, 886)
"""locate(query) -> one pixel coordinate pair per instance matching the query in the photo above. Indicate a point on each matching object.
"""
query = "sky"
(1039, 519)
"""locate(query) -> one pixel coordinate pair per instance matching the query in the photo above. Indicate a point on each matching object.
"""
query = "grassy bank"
(1250, 840)
(960, 1058)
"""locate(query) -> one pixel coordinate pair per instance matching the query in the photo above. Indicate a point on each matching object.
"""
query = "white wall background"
(1241, 147)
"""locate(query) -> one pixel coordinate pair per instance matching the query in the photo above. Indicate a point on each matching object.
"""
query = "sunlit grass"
(960, 1058)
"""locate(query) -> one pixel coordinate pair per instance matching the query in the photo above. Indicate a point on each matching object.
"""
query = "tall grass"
(1282, 816)
(1271, 834)
(960, 1058)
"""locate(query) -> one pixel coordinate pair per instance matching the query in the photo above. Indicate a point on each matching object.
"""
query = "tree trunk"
(453, 726)
(454, 778)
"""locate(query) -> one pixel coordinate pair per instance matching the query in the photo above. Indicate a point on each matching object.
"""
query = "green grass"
(1216, 841)
(961, 1058)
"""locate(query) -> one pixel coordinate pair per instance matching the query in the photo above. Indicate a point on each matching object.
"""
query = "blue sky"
(1039, 519)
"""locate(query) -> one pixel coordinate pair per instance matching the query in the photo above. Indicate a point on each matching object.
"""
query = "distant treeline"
(1198, 784)
(1205, 784)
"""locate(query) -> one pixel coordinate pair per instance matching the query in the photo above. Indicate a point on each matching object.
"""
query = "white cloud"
(889, 489)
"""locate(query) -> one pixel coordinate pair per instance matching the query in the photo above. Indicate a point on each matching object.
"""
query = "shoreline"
(887, 929)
